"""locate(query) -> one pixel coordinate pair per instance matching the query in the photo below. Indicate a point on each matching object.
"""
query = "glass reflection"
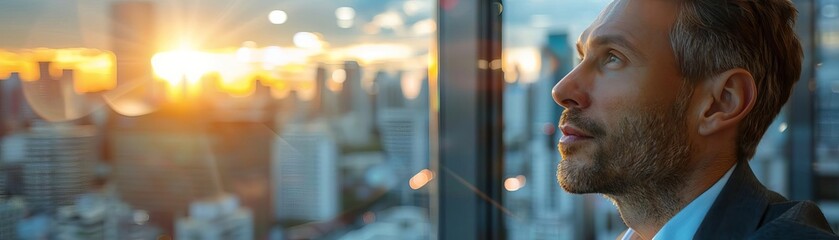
(537, 53)
(167, 119)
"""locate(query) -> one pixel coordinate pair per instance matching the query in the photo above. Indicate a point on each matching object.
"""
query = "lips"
(571, 134)
(568, 130)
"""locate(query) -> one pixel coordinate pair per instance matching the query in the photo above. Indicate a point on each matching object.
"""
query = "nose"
(570, 92)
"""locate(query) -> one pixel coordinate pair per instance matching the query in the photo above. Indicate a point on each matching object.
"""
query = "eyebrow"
(617, 40)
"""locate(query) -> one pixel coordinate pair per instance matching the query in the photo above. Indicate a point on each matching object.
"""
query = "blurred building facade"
(216, 218)
(305, 174)
(12, 211)
(58, 165)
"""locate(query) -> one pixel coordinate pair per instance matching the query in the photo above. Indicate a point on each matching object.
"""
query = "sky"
(227, 23)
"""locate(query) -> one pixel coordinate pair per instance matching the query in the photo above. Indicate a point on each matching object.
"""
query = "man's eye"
(613, 61)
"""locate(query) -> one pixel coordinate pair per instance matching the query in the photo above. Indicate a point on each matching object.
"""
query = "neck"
(647, 208)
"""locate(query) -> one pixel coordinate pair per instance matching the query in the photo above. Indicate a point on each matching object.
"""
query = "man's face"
(625, 126)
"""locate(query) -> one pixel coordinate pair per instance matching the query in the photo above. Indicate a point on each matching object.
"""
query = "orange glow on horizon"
(235, 70)
(93, 70)
(12, 62)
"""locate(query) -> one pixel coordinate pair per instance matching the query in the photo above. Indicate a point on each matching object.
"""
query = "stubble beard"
(640, 165)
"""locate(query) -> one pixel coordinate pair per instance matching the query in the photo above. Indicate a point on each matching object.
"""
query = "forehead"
(642, 22)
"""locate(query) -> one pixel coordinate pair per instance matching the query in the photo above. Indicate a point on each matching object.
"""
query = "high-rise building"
(516, 119)
(12, 103)
(58, 165)
(54, 98)
(357, 108)
(305, 172)
(389, 91)
(12, 210)
(161, 165)
(531, 138)
(404, 135)
(552, 208)
(402, 124)
(242, 148)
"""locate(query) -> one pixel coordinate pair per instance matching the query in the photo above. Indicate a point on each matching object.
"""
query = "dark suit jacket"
(745, 209)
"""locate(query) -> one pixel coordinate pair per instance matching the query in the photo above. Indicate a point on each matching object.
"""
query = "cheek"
(610, 109)
(612, 91)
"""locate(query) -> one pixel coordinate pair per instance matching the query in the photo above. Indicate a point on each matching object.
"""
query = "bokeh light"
(421, 179)
(277, 17)
(515, 183)
(307, 40)
(345, 13)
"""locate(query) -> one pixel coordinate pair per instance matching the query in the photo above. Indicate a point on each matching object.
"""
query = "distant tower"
(304, 170)
(52, 98)
(550, 205)
(58, 164)
(389, 91)
(218, 218)
(134, 39)
(357, 104)
(11, 104)
(403, 127)
(557, 53)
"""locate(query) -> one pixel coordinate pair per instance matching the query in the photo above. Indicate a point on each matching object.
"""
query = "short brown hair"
(713, 36)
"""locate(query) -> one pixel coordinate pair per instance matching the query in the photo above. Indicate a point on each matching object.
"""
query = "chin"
(575, 175)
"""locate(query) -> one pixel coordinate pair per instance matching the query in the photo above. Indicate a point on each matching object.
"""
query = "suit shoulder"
(794, 220)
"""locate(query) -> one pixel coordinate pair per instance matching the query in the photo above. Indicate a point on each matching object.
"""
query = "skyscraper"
(58, 164)
(403, 128)
(304, 172)
(404, 134)
(357, 107)
(11, 104)
(389, 91)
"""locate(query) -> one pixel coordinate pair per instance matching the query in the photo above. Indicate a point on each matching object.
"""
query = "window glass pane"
(539, 38)
(827, 110)
(538, 50)
(215, 119)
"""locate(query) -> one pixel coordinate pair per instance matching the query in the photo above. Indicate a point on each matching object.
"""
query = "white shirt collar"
(685, 223)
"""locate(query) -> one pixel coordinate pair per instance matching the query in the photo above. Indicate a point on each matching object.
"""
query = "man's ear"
(726, 99)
